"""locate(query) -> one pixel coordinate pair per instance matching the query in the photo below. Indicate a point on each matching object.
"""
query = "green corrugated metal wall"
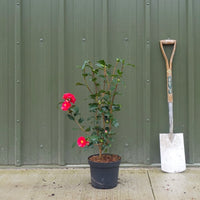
(41, 42)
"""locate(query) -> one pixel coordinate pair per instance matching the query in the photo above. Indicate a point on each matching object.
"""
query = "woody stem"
(78, 124)
(100, 150)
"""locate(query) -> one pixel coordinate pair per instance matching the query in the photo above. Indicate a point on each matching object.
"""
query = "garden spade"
(172, 150)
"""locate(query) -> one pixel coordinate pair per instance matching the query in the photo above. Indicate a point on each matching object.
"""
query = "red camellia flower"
(69, 97)
(81, 141)
(65, 105)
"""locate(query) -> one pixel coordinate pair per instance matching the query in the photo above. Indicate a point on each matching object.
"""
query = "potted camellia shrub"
(102, 81)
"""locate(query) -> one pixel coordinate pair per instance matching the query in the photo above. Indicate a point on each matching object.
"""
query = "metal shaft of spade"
(169, 82)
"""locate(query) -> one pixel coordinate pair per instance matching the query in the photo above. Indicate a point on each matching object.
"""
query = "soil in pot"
(106, 158)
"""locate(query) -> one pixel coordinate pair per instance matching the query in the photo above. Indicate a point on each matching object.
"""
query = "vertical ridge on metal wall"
(18, 82)
(61, 78)
(147, 89)
(191, 83)
(105, 28)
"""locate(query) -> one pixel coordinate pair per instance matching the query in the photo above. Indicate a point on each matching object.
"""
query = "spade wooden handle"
(168, 66)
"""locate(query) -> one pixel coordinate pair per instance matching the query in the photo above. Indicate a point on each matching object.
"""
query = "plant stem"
(104, 82)
(100, 150)
(95, 84)
(114, 93)
(114, 70)
(87, 84)
(82, 129)
(104, 124)
(96, 99)
(106, 76)
(113, 97)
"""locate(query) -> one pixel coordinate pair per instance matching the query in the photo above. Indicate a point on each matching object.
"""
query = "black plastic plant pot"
(104, 175)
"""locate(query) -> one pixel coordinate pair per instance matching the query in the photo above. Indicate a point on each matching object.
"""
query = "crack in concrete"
(154, 197)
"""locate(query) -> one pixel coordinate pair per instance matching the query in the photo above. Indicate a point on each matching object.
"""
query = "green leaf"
(130, 65)
(113, 87)
(105, 108)
(100, 65)
(107, 92)
(78, 83)
(74, 144)
(112, 133)
(102, 76)
(117, 93)
(95, 71)
(115, 123)
(89, 118)
(80, 120)
(98, 128)
(106, 150)
(94, 138)
(102, 91)
(70, 117)
(114, 81)
(93, 106)
(115, 76)
(93, 96)
(99, 116)
(116, 107)
(84, 74)
(109, 66)
(94, 79)
(107, 115)
(110, 139)
(86, 62)
(119, 72)
(122, 61)
(109, 73)
(75, 109)
(101, 62)
(88, 129)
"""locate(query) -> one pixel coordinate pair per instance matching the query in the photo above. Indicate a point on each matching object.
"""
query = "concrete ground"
(74, 184)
